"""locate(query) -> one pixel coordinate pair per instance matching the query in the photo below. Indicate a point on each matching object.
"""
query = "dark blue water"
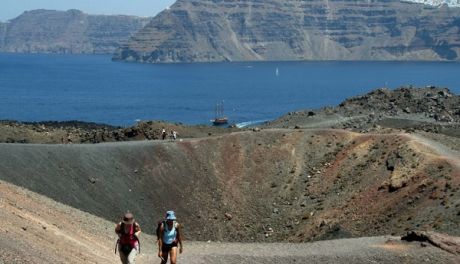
(93, 88)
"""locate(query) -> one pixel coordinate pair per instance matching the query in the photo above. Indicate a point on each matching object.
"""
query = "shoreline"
(430, 109)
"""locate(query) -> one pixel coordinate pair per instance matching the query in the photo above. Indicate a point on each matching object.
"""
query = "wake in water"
(251, 123)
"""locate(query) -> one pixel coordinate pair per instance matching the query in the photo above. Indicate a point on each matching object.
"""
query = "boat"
(220, 119)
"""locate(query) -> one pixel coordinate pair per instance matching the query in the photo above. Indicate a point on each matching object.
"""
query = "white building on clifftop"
(452, 3)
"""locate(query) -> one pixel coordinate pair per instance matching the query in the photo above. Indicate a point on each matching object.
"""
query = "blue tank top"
(169, 236)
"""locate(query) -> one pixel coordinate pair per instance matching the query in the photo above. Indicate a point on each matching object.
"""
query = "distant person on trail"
(69, 139)
(163, 134)
(174, 134)
(128, 232)
(169, 237)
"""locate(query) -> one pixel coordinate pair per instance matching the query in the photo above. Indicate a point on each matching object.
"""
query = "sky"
(13, 8)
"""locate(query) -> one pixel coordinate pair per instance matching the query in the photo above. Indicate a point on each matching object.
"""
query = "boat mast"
(219, 110)
(222, 109)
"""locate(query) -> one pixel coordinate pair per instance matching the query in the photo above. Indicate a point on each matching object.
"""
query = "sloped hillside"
(430, 109)
(273, 185)
(38, 230)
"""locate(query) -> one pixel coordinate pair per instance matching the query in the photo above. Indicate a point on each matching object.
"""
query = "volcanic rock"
(443, 241)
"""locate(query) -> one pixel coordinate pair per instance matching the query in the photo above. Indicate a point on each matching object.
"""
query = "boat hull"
(220, 121)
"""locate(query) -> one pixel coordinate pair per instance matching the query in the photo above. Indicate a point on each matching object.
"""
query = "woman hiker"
(170, 236)
(128, 239)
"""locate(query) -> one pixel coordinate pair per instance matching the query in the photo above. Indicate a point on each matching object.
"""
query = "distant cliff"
(258, 30)
(47, 31)
(2, 33)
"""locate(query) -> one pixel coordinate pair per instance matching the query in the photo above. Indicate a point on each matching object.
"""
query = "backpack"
(159, 228)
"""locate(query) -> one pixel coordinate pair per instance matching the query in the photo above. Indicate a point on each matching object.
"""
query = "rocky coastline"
(76, 132)
(431, 109)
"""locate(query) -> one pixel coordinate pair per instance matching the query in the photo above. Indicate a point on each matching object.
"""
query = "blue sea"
(93, 88)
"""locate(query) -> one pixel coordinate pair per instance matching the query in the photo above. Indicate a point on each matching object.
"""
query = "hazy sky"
(12, 8)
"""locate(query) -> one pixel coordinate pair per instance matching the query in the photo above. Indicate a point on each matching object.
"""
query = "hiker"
(174, 134)
(163, 134)
(128, 246)
(170, 236)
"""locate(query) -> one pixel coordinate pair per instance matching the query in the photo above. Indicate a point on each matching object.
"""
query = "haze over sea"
(93, 88)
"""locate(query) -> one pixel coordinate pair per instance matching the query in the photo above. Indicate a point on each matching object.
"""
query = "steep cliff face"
(2, 33)
(237, 30)
(49, 31)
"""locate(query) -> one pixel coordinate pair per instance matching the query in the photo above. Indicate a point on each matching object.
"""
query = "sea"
(93, 88)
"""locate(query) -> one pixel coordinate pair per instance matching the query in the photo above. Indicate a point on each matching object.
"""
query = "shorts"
(168, 247)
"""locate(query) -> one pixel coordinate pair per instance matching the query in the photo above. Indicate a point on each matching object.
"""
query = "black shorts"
(168, 247)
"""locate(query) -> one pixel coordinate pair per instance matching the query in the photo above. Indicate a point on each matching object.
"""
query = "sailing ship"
(220, 119)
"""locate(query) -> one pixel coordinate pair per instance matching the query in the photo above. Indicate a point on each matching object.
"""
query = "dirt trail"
(442, 150)
(36, 229)
(360, 250)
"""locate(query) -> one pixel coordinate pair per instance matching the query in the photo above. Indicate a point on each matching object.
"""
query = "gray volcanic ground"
(294, 185)
(36, 229)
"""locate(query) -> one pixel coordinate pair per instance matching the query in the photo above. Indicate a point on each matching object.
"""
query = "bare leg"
(165, 257)
(173, 254)
(132, 256)
(123, 257)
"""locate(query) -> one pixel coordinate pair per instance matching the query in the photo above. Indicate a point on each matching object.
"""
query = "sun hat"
(170, 215)
(128, 219)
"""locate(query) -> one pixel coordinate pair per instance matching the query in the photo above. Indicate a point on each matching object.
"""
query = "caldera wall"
(273, 185)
